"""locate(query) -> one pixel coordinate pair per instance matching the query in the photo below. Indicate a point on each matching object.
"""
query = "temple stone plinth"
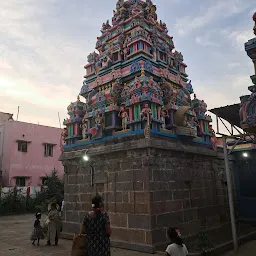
(148, 185)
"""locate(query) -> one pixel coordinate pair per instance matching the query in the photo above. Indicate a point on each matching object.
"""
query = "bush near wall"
(14, 201)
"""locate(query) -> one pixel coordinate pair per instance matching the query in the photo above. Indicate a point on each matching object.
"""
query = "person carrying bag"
(97, 231)
(78, 247)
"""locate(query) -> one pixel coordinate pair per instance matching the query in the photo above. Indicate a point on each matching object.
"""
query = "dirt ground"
(248, 249)
(14, 240)
(15, 232)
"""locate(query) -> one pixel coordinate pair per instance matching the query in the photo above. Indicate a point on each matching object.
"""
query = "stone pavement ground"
(15, 233)
(249, 249)
(14, 240)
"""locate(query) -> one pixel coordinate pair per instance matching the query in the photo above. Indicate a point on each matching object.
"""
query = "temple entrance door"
(245, 181)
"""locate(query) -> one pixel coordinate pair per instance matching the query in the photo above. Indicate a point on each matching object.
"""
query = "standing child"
(37, 233)
(177, 247)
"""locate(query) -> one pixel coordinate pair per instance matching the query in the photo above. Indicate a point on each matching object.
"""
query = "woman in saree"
(54, 225)
(96, 226)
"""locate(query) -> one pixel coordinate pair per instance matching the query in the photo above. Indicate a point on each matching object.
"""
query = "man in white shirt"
(177, 247)
(176, 250)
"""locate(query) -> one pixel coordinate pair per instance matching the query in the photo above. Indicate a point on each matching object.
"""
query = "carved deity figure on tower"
(146, 112)
(191, 122)
(203, 107)
(119, 4)
(151, 82)
(124, 116)
(150, 12)
(105, 27)
(254, 19)
(214, 139)
(98, 120)
(126, 52)
(106, 62)
(98, 124)
(163, 116)
(84, 128)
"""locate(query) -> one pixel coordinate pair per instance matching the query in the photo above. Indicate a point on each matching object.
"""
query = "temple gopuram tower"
(150, 146)
(248, 102)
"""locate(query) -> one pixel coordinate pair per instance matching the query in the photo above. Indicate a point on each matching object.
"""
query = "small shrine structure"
(150, 144)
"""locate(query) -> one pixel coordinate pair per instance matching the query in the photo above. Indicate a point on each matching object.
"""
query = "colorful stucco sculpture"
(136, 83)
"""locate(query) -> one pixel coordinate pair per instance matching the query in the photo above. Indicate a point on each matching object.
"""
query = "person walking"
(96, 226)
(54, 225)
(177, 247)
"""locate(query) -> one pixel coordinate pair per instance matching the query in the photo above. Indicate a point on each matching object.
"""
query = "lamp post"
(230, 194)
(86, 158)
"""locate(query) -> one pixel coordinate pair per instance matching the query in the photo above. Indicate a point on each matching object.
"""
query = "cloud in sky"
(206, 41)
(210, 12)
(44, 46)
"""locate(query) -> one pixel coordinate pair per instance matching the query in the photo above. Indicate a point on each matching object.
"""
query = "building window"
(20, 181)
(48, 150)
(44, 179)
(162, 56)
(108, 119)
(22, 146)
(131, 49)
(140, 46)
(115, 56)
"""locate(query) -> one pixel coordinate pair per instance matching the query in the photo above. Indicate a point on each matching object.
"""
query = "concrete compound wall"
(21, 190)
(148, 185)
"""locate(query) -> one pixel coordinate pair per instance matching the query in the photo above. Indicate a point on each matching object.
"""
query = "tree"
(54, 187)
(53, 191)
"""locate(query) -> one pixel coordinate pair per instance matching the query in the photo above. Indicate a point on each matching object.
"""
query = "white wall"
(21, 190)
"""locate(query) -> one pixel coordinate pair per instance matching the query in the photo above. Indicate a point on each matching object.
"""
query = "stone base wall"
(148, 185)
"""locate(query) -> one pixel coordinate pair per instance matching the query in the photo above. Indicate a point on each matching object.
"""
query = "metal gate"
(245, 184)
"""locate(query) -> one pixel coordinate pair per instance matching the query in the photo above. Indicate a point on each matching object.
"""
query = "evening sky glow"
(44, 46)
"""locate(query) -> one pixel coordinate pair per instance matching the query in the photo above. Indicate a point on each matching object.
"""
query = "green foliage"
(14, 202)
(54, 190)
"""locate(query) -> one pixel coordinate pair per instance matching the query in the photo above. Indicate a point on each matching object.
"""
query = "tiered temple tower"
(148, 144)
(248, 102)
(136, 82)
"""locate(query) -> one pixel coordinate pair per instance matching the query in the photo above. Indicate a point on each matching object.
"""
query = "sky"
(44, 46)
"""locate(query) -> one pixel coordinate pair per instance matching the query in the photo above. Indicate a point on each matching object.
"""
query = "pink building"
(5, 117)
(28, 153)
